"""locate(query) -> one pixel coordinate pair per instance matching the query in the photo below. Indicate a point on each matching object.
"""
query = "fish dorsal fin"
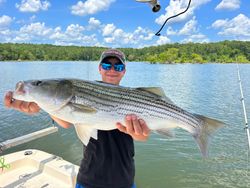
(85, 109)
(156, 91)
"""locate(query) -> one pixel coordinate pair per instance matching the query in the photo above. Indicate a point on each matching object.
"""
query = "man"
(109, 161)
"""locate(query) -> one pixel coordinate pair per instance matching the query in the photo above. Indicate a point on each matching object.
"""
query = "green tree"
(241, 59)
(196, 58)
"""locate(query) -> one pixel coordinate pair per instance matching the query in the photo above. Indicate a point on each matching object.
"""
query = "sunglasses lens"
(119, 67)
(106, 66)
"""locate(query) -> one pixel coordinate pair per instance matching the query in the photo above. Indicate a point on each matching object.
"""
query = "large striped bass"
(93, 106)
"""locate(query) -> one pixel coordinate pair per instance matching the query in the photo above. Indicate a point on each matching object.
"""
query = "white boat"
(37, 169)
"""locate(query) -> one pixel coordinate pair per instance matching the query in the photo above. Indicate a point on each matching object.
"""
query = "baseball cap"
(113, 53)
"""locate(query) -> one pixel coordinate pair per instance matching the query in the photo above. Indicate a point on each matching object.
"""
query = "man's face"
(111, 76)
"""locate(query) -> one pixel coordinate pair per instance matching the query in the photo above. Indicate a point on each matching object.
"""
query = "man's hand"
(22, 106)
(137, 128)
(29, 108)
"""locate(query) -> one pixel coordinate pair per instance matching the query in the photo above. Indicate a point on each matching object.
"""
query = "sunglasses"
(117, 66)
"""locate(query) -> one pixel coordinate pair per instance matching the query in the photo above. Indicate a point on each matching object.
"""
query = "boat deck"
(35, 168)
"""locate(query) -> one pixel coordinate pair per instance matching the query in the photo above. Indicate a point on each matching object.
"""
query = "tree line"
(219, 52)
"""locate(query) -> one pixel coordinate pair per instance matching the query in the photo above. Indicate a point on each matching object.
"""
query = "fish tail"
(207, 129)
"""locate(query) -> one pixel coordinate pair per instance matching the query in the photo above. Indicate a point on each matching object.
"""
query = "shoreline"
(80, 61)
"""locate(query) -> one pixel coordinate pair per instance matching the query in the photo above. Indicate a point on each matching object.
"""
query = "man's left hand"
(137, 128)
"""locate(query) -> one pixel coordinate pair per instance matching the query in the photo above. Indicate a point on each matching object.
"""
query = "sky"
(122, 23)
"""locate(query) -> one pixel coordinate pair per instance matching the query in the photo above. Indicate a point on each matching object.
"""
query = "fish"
(95, 105)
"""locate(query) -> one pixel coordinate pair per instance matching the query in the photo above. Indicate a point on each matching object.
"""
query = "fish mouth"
(20, 88)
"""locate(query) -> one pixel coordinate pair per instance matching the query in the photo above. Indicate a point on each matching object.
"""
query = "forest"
(218, 52)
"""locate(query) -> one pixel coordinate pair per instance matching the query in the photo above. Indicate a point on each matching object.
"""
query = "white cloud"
(196, 38)
(33, 5)
(190, 31)
(32, 18)
(189, 27)
(120, 38)
(176, 7)
(36, 29)
(75, 34)
(80, 35)
(228, 5)
(93, 24)
(163, 40)
(90, 7)
(108, 29)
(83, 40)
(170, 31)
(143, 34)
(39, 32)
(219, 23)
(5, 21)
(26, 21)
(57, 34)
(5, 32)
(74, 30)
(32, 32)
(237, 28)
(109, 39)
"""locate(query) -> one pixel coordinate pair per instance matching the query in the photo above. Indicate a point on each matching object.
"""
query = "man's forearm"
(60, 122)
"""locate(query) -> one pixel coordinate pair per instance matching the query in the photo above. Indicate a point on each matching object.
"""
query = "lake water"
(210, 89)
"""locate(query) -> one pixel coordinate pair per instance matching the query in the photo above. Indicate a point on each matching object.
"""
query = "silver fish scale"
(104, 92)
(123, 100)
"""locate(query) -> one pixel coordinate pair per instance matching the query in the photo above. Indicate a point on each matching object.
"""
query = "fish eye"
(37, 83)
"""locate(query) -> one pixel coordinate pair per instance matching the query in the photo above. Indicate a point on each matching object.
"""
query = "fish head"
(50, 94)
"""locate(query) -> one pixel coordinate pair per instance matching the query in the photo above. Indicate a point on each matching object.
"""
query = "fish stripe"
(112, 96)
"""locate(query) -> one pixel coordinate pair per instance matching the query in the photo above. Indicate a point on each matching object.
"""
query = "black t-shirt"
(108, 161)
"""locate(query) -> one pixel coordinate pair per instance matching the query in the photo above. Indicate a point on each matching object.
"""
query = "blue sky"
(122, 23)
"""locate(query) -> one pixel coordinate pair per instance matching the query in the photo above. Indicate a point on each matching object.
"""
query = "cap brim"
(112, 55)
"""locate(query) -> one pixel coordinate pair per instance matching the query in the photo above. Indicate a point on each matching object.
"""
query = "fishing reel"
(155, 5)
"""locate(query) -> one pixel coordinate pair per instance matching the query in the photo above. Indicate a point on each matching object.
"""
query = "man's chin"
(112, 80)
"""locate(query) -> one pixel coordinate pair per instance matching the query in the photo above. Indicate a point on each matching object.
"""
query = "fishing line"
(158, 32)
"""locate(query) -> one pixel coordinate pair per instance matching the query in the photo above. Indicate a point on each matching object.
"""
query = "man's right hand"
(22, 106)
(29, 108)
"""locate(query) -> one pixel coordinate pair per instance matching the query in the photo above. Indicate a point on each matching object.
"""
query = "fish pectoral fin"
(85, 109)
(156, 91)
(165, 132)
(85, 132)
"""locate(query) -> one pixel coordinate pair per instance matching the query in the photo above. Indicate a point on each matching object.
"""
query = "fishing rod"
(156, 7)
(244, 108)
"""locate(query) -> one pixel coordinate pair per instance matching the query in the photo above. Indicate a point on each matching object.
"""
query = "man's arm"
(137, 128)
(60, 122)
(29, 108)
